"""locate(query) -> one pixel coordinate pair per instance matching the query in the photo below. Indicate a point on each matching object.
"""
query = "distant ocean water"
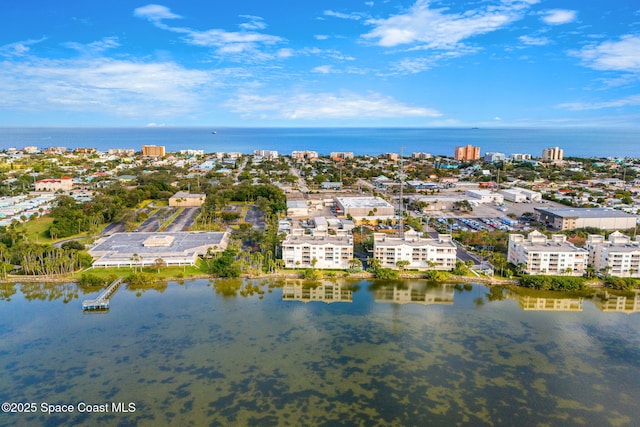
(577, 142)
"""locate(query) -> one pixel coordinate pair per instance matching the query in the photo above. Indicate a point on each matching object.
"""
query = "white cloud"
(96, 47)
(621, 55)
(351, 16)
(321, 37)
(254, 23)
(559, 16)
(633, 100)
(534, 41)
(318, 106)
(102, 85)
(438, 29)
(322, 69)
(19, 48)
(239, 45)
(155, 12)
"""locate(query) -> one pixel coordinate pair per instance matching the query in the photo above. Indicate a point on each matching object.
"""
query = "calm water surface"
(379, 354)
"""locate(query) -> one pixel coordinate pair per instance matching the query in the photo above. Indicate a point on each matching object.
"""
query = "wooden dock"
(102, 301)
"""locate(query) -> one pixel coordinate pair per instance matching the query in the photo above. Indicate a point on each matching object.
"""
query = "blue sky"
(490, 63)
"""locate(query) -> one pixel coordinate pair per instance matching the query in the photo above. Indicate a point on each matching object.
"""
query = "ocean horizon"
(576, 142)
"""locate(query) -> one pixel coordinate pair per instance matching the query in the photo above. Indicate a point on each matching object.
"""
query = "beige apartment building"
(466, 153)
(537, 254)
(421, 253)
(552, 154)
(341, 155)
(153, 150)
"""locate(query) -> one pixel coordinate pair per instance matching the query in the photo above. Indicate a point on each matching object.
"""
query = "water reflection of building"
(532, 303)
(416, 293)
(618, 303)
(325, 292)
(551, 304)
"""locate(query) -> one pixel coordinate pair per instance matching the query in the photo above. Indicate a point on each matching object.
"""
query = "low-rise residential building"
(319, 250)
(617, 256)
(185, 199)
(572, 218)
(538, 254)
(53, 185)
(421, 253)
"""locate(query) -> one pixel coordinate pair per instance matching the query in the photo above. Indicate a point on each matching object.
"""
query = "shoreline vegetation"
(297, 275)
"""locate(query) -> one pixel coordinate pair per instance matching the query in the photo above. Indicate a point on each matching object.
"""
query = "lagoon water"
(342, 353)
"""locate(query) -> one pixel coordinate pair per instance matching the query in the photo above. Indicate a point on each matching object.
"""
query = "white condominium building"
(618, 256)
(421, 253)
(538, 254)
(320, 250)
(267, 154)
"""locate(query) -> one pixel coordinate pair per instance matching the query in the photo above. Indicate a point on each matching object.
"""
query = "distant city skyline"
(419, 63)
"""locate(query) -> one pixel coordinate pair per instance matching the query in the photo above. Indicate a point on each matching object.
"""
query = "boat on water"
(213, 132)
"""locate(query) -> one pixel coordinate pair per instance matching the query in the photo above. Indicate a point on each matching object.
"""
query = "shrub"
(553, 283)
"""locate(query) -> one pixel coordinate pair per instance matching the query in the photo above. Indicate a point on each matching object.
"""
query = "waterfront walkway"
(102, 301)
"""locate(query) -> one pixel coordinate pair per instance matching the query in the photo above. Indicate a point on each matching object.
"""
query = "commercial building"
(485, 196)
(537, 254)
(53, 185)
(319, 250)
(466, 153)
(153, 150)
(297, 208)
(363, 206)
(572, 218)
(552, 154)
(421, 156)
(617, 256)
(185, 199)
(521, 195)
(421, 253)
(146, 249)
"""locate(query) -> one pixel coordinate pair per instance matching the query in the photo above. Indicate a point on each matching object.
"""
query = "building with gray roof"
(145, 249)
(572, 218)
